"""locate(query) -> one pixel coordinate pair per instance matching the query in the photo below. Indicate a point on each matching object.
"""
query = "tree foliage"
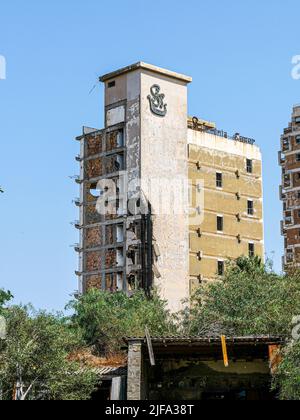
(35, 358)
(106, 318)
(5, 297)
(250, 300)
(287, 378)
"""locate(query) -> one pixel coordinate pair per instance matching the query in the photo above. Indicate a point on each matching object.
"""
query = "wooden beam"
(224, 349)
(150, 347)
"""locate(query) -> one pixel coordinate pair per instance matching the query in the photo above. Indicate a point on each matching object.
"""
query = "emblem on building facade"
(156, 100)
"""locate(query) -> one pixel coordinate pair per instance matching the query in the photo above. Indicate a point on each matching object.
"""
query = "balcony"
(283, 230)
(288, 221)
(287, 182)
(289, 256)
(77, 202)
(281, 159)
(78, 158)
(286, 145)
(282, 195)
(288, 130)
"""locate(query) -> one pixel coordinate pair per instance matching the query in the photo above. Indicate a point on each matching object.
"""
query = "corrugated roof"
(110, 371)
(211, 340)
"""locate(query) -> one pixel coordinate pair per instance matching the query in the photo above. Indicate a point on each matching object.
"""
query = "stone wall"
(135, 367)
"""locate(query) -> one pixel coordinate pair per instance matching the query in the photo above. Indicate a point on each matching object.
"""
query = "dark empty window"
(298, 214)
(286, 144)
(250, 209)
(298, 139)
(251, 250)
(221, 268)
(298, 157)
(298, 175)
(111, 84)
(220, 223)
(297, 120)
(219, 180)
(288, 218)
(249, 166)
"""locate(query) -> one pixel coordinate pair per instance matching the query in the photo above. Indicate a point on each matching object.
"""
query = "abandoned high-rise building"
(289, 159)
(165, 199)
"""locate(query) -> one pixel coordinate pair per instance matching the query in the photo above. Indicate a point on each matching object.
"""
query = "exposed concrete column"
(116, 389)
(135, 366)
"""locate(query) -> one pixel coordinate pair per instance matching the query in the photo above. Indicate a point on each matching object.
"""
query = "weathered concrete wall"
(135, 372)
(208, 155)
(163, 160)
(133, 132)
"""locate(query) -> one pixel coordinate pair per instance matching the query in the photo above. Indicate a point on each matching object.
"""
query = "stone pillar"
(116, 389)
(135, 365)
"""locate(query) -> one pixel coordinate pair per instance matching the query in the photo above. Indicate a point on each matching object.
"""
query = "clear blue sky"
(238, 52)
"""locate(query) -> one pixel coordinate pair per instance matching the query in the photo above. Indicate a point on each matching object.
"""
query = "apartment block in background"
(148, 139)
(229, 169)
(289, 159)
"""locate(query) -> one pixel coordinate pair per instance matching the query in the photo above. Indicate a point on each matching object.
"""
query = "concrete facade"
(151, 211)
(142, 150)
(135, 381)
(163, 160)
(234, 200)
(289, 160)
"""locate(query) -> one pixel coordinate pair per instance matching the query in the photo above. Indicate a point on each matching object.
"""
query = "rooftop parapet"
(210, 128)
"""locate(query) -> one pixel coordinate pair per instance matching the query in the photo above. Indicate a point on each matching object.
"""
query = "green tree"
(35, 359)
(250, 300)
(106, 318)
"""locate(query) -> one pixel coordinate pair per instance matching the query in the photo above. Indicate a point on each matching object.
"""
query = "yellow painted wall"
(229, 201)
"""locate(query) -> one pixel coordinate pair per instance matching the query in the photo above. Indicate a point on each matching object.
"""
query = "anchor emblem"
(156, 101)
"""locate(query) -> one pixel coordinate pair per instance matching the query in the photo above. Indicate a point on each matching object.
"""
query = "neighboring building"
(151, 151)
(193, 369)
(231, 173)
(289, 159)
